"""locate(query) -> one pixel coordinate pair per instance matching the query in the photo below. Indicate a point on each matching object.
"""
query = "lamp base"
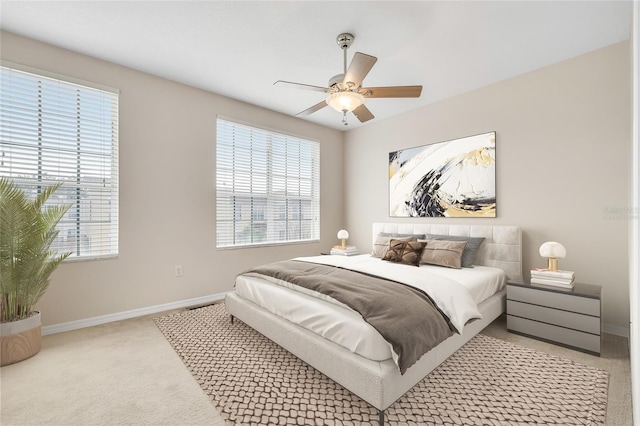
(552, 264)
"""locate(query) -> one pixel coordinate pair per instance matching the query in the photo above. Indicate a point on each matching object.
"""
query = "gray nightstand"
(571, 318)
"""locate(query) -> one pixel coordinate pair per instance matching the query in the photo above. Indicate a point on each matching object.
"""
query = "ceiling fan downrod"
(345, 40)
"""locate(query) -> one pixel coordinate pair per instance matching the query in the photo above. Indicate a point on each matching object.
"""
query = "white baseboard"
(103, 319)
(204, 300)
(616, 329)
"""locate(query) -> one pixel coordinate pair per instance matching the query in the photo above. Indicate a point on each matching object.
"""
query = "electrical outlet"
(178, 270)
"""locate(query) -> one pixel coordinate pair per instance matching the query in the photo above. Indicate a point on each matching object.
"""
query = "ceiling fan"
(346, 93)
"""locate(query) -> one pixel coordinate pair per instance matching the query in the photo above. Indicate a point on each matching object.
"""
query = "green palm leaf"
(27, 230)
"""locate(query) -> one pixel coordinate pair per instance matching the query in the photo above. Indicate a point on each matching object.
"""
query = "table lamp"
(343, 235)
(552, 251)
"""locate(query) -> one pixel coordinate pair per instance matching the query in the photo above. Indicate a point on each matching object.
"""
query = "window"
(267, 187)
(52, 131)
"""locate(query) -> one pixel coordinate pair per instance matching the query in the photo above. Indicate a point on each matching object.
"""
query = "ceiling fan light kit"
(345, 101)
(346, 93)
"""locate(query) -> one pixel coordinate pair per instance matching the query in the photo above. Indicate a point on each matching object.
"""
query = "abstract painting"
(455, 178)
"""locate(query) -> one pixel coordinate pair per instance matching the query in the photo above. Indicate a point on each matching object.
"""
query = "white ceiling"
(239, 49)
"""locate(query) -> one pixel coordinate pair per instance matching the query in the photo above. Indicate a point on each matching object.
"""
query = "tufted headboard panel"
(502, 246)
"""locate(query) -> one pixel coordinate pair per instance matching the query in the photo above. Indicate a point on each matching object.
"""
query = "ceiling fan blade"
(362, 113)
(312, 109)
(292, 85)
(391, 92)
(360, 66)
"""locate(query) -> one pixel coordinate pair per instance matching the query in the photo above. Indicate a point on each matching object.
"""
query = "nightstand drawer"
(586, 323)
(577, 339)
(566, 302)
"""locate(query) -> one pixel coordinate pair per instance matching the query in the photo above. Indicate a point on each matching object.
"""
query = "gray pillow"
(470, 250)
(414, 237)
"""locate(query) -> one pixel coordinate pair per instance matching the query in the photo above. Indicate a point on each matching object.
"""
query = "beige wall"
(563, 155)
(634, 228)
(563, 152)
(167, 191)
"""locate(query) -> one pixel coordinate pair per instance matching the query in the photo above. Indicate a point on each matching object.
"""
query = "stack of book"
(545, 277)
(344, 251)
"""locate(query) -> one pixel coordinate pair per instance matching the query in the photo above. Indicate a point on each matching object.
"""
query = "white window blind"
(267, 187)
(57, 131)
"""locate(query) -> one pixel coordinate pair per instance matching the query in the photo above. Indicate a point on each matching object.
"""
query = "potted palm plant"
(27, 230)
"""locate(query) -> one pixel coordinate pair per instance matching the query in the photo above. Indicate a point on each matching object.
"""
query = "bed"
(366, 370)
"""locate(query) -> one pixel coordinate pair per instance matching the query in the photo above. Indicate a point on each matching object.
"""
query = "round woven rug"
(253, 381)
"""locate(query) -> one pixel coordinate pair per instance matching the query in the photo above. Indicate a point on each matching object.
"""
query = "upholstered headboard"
(502, 246)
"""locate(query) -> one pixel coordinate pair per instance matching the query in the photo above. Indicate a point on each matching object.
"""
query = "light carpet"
(251, 380)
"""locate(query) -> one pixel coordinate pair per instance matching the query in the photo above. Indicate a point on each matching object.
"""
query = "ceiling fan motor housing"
(336, 81)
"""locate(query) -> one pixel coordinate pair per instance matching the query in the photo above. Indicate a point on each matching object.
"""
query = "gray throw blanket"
(406, 317)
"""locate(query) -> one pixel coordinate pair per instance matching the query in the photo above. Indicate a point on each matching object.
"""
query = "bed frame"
(379, 382)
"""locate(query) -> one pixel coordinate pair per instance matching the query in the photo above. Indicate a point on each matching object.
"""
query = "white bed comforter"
(338, 323)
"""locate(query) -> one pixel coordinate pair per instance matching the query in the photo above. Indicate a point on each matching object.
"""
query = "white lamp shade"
(345, 101)
(343, 234)
(553, 249)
